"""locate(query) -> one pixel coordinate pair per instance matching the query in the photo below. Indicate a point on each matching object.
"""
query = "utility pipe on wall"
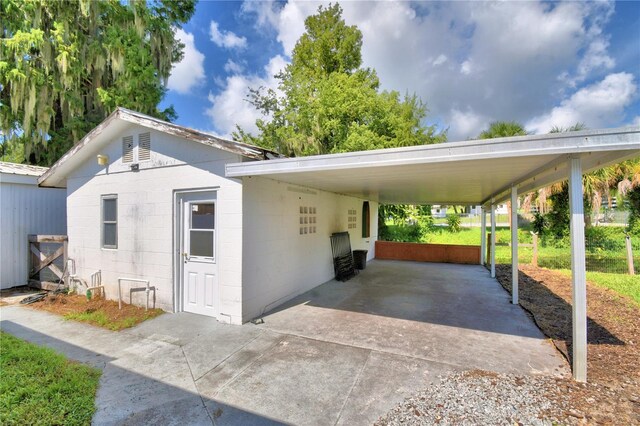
(146, 290)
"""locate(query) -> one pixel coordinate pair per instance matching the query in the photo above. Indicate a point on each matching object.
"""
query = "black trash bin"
(360, 258)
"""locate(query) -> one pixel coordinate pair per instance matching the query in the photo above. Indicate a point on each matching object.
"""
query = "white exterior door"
(199, 254)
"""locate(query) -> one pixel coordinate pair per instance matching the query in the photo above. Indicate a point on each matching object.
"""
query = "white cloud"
(439, 60)
(465, 122)
(266, 13)
(636, 121)
(230, 106)
(471, 62)
(233, 67)
(465, 68)
(226, 39)
(596, 58)
(189, 72)
(596, 105)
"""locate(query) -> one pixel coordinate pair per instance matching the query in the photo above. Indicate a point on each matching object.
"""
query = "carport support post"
(578, 271)
(514, 245)
(483, 235)
(493, 240)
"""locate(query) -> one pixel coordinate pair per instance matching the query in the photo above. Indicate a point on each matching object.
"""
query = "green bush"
(633, 197)
(453, 221)
(539, 224)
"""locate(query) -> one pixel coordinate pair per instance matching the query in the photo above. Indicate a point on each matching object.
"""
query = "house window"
(144, 146)
(110, 221)
(127, 149)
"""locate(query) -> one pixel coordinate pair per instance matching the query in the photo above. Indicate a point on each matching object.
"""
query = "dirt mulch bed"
(612, 395)
(97, 311)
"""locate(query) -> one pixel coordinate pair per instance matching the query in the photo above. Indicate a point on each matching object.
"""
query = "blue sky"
(539, 63)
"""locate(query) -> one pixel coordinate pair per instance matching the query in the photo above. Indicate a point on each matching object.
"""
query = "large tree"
(64, 66)
(329, 103)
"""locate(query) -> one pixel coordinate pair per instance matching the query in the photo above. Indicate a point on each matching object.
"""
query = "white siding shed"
(25, 209)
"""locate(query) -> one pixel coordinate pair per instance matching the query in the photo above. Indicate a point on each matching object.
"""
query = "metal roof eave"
(598, 147)
(57, 173)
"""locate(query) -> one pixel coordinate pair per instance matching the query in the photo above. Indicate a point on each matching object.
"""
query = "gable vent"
(127, 149)
(144, 146)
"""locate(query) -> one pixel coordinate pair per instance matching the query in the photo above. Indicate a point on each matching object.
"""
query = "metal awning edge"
(552, 144)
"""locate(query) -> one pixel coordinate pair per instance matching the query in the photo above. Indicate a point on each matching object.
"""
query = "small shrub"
(453, 220)
(417, 232)
(633, 197)
(539, 224)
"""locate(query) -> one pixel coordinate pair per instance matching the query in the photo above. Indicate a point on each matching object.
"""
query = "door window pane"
(201, 243)
(203, 215)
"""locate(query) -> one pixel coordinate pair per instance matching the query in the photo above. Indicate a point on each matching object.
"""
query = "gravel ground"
(484, 398)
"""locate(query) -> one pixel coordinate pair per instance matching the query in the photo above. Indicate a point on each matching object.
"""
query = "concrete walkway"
(343, 353)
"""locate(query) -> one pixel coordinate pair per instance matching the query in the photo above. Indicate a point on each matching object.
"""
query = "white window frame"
(213, 231)
(103, 221)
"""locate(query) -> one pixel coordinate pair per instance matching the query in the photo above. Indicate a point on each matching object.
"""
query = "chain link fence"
(611, 257)
(601, 255)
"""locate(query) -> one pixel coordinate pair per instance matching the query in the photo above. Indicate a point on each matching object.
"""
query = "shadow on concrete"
(462, 296)
(126, 397)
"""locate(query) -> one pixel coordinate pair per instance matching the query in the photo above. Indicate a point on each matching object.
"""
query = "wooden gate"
(41, 263)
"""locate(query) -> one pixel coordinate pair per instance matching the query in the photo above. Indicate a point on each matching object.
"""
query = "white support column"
(483, 236)
(514, 245)
(578, 271)
(493, 240)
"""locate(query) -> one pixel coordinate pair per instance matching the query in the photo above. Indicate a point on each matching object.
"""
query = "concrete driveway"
(342, 353)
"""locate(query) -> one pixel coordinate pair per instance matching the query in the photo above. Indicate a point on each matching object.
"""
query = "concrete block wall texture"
(146, 217)
(263, 260)
(278, 261)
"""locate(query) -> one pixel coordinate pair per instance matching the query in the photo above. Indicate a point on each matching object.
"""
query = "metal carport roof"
(473, 172)
(469, 172)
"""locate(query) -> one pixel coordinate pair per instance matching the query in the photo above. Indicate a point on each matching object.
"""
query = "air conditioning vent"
(144, 146)
(127, 149)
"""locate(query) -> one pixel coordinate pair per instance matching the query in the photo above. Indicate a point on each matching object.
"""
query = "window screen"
(109, 221)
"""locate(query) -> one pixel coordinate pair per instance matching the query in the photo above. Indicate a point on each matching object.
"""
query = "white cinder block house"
(149, 200)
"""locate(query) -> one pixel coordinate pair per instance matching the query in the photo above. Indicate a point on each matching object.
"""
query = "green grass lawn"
(40, 386)
(627, 285)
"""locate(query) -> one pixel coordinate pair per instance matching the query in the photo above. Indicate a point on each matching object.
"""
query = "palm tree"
(501, 129)
(619, 177)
